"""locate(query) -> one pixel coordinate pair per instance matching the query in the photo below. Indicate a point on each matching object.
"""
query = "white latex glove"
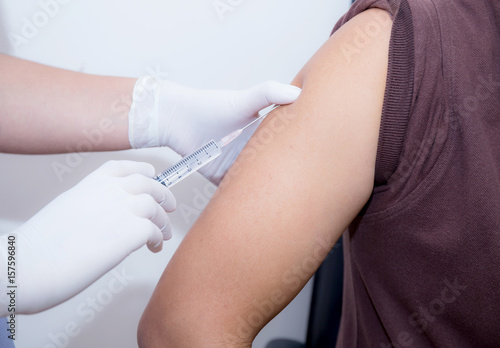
(167, 114)
(85, 232)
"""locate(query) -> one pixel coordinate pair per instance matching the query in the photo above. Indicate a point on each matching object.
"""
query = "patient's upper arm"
(302, 178)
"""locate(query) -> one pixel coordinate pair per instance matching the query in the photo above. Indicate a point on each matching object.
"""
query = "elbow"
(164, 327)
(145, 334)
(151, 332)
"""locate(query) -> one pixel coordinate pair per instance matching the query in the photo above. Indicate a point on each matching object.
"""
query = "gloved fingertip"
(167, 231)
(169, 203)
(149, 170)
(155, 247)
(280, 93)
(290, 94)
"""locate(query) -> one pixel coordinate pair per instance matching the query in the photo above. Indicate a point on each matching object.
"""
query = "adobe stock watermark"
(87, 311)
(276, 123)
(248, 152)
(454, 119)
(32, 25)
(122, 105)
(363, 37)
(191, 212)
(225, 7)
(427, 314)
(93, 138)
(262, 138)
(291, 281)
(485, 88)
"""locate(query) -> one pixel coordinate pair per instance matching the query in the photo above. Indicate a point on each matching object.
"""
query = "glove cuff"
(143, 114)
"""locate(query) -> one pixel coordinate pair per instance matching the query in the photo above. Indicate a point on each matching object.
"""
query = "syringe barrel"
(190, 164)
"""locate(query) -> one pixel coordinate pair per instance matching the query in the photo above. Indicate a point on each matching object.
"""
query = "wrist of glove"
(167, 114)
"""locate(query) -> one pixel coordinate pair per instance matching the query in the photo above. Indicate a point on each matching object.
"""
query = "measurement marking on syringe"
(190, 164)
(200, 157)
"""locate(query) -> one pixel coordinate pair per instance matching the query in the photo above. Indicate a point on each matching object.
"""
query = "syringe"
(201, 157)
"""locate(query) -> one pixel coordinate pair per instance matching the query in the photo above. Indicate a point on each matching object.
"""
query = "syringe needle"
(231, 136)
(256, 120)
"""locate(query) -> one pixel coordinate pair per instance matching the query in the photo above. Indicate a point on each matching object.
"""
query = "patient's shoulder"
(344, 86)
(361, 40)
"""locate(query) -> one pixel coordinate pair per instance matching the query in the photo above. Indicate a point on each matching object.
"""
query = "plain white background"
(191, 43)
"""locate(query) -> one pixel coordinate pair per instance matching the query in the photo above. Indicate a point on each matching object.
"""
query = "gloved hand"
(166, 114)
(85, 232)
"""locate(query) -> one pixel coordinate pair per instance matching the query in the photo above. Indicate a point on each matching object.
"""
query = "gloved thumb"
(270, 92)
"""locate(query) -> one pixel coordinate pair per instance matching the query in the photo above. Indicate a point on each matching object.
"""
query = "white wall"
(188, 40)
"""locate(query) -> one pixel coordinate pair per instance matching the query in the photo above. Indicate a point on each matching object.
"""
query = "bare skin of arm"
(300, 181)
(47, 110)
